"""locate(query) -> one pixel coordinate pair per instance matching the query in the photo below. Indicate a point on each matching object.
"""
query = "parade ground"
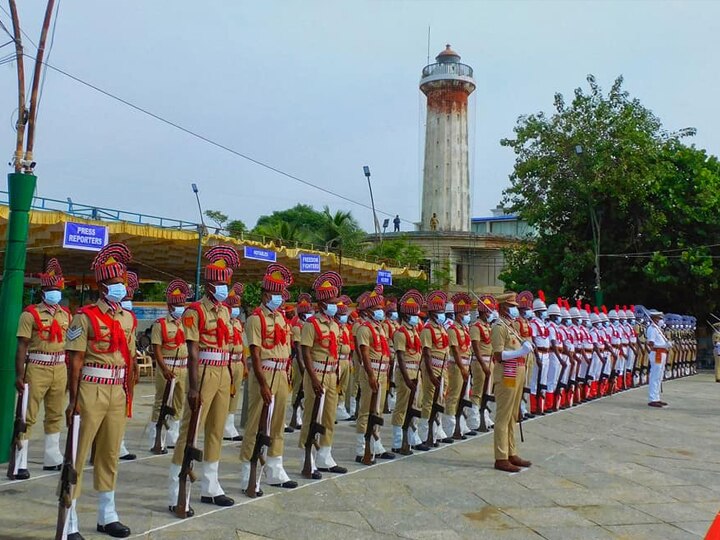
(612, 468)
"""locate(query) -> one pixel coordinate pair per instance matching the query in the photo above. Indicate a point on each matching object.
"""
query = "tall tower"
(446, 172)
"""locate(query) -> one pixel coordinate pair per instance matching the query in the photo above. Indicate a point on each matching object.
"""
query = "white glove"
(527, 347)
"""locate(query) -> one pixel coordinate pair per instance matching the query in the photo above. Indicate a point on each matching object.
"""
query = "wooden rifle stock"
(390, 386)
(374, 420)
(460, 412)
(484, 400)
(192, 453)
(165, 410)
(410, 413)
(68, 476)
(316, 428)
(262, 441)
(19, 427)
(436, 409)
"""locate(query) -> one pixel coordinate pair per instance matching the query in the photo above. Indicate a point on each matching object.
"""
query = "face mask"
(221, 292)
(528, 314)
(52, 298)
(234, 312)
(414, 320)
(178, 311)
(331, 310)
(127, 305)
(343, 319)
(116, 292)
(379, 315)
(513, 312)
(393, 315)
(441, 318)
(308, 315)
(543, 315)
(466, 319)
(568, 322)
(275, 302)
(588, 324)
(607, 324)
(493, 316)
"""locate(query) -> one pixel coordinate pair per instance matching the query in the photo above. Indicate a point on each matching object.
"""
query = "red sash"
(484, 337)
(413, 346)
(54, 331)
(221, 332)
(326, 341)
(175, 342)
(379, 343)
(279, 335)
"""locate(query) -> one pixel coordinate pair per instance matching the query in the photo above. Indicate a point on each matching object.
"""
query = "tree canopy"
(600, 177)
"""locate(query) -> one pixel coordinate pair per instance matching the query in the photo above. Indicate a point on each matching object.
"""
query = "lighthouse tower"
(446, 173)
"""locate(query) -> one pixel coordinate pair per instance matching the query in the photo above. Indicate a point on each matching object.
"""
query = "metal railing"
(447, 68)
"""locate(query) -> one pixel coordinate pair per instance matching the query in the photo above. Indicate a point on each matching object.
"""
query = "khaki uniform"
(716, 353)
(214, 374)
(412, 355)
(237, 365)
(459, 336)
(177, 366)
(326, 366)
(46, 371)
(372, 335)
(275, 355)
(435, 338)
(508, 385)
(297, 376)
(523, 328)
(102, 402)
(480, 332)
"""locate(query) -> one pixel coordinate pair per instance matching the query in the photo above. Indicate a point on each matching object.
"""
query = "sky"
(319, 89)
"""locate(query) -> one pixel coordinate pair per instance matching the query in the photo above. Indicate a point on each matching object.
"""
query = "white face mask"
(221, 292)
(441, 318)
(466, 319)
(528, 314)
(52, 298)
(177, 311)
(275, 302)
(330, 310)
(543, 315)
(235, 312)
(343, 319)
(379, 315)
(493, 316)
(414, 320)
(127, 305)
(393, 315)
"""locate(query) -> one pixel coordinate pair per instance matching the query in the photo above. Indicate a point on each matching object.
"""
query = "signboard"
(259, 254)
(309, 263)
(86, 237)
(384, 277)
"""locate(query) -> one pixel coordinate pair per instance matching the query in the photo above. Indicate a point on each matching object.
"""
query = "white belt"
(465, 361)
(238, 357)
(117, 373)
(436, 362)
(171, 362)
(343, 357)
(271, 365)
(47, 358)
(217, 356)
(379, 366)
(322, 367)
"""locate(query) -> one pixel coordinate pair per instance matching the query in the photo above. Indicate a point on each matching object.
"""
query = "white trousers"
(656, 376)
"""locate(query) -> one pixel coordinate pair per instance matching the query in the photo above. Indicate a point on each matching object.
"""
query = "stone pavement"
(613, 468)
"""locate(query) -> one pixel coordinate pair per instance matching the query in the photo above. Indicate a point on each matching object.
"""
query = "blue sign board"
(87, 237)
(259, 254)
(384, 277)
(309, 263)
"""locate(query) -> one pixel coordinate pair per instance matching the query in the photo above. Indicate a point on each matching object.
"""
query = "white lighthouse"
(446, 173)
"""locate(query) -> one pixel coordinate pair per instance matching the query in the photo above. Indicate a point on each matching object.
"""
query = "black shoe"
(460, 438)
(127, 457)
(52, 467)
(258, 493)
(75, 536)
(359, 459)
(471, 433)
(288, 429)
(290, 484)
(387, 455)
(352, 418)
(160, 453)
(236, 438)
(336, 469)
(422, 447)
(220, 500)
(447, 440)
(189, 513)
(114, 529)
(22, 474)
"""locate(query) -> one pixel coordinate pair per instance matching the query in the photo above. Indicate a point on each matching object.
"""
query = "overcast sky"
(319, 89)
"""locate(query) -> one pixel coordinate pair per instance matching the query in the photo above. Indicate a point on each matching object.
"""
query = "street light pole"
(366, 170)
(201, 230)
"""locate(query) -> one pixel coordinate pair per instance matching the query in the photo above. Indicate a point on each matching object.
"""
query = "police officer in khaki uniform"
(373, 365)
(100, 343)
(320, 343)
(458, 366)
(408, 351)
(168, 341)
(481, 366)
(237, 361)
(508, 377)
(304, 309)
(269, 338)
(345, 349)
(207, 328)
(433, 369)
(40, 364)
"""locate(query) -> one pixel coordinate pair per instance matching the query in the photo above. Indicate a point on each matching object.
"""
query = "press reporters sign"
(86, 237)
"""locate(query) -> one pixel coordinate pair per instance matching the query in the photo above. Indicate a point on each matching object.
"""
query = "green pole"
(21, 188)
(599, 297)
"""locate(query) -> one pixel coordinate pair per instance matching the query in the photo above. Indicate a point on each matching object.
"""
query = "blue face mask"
(235, 312)
(127, 305)
(308, 315)
(393, 315)
(379, 315)
(568, 322)
(178, 311)
(221, 292)
(275, 302)
(414, 320)
(343, 319)
(528, 314)
(52, 298)
(116, 292)
(514, 312)
(466, 319)
(493, 316)
(330, 310)
(543, 315)
(441, 318)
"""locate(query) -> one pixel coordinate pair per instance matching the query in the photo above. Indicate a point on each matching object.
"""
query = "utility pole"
(21, 187)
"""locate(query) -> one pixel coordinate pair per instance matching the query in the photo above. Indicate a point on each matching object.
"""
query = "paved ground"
(614, 468)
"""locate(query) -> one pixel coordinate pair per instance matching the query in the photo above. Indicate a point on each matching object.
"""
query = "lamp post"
(366, 171)
(595, 226)
(200, 230)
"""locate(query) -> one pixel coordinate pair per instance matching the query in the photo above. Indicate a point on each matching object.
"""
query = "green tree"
(236, 228)
(218, 217)
(399, 251)
(600, 176)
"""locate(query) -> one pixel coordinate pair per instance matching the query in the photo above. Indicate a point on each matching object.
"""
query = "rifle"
(166, 410)
(520, 421)
(68, 477)
(390, 386)
(316, 427)
(192, 453)
(484, 400)
(460, 412)
(262, 442)
(373, 420)
(19, 427)
(297, 355)
(410, 413)
(436, 408)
